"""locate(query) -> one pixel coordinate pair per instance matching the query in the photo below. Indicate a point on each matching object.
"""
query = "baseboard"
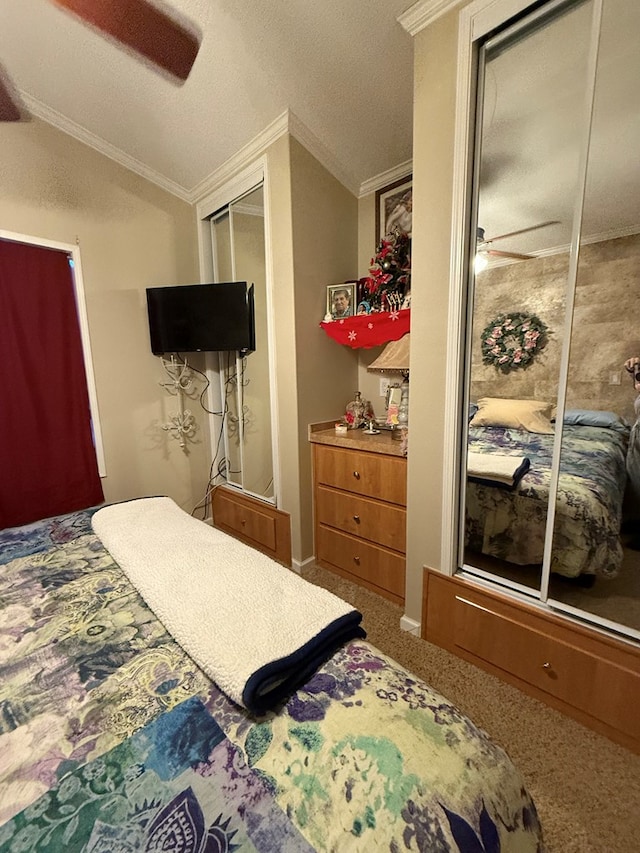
(298, 566)
(410, 625)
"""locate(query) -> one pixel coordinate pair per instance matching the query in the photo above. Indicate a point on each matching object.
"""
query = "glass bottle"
(354, 413)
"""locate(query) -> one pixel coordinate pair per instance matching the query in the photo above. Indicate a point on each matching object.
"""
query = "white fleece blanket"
(255, 627)
(497, 468)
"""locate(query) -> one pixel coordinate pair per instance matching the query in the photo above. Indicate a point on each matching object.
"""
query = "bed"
(510, 523)
(113, 739)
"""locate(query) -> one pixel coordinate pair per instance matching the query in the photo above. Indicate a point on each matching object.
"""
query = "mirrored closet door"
(238, 240)
(550, 501)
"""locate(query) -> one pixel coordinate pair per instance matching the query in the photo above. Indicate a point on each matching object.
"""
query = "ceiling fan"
(143, 26)
(484, 249)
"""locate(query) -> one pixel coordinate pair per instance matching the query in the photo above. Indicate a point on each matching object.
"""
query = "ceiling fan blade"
(523, 230)
(11, 106)
(144, 27)
(515, 255)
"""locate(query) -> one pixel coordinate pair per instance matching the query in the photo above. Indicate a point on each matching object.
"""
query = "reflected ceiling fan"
(485, 250)
(143, 26)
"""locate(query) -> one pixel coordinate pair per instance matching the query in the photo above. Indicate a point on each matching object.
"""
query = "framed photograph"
(394, 208)
(341, 300)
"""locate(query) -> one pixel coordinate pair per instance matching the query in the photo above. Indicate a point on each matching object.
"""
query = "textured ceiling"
(344, 69)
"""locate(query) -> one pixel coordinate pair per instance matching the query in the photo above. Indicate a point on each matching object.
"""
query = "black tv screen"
(201, 317)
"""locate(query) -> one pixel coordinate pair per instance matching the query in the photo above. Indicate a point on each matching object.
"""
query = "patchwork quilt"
(112, 739)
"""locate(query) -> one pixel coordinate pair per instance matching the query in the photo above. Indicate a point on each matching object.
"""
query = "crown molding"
(286, 122)
(77, 131)
(382, 180)
(242, 158)
(322, 154)
(423, 13)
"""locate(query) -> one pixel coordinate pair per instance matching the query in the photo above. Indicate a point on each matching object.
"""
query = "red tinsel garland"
(369, 330)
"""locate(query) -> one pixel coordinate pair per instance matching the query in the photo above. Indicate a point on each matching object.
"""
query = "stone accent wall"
(605, 329)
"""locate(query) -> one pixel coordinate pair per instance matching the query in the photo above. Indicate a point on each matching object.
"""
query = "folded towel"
(256, 628)
(497, 469)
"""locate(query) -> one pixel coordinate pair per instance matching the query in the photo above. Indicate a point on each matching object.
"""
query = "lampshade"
(395, 356)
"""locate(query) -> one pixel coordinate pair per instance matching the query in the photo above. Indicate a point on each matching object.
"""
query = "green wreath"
(512, 340)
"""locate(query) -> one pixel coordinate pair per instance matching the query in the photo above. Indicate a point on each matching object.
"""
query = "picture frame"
(394, 205)
(334, 292)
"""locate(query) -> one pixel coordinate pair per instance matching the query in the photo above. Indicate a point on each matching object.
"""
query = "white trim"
(286, 122)
(248, 209)
(322, 154)
(382, 180)
(298, 565)
(410, 626)
(226, 175)
(81, 308)
(77, 131)
(242, 182)
(423, 13)
(457, 307)
(271, 342)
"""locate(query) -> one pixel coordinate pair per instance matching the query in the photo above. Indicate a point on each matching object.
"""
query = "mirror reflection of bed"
(512, 414)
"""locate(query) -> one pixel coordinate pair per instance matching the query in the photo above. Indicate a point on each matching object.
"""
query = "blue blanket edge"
(277, 680)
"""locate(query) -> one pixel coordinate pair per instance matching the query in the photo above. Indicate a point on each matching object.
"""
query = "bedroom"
(132, 233)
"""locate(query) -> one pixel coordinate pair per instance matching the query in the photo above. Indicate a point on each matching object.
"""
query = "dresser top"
(355, 439)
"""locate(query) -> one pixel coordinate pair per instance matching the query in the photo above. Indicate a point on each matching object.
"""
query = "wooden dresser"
(360, 497)
(589, 676)
(255, 522)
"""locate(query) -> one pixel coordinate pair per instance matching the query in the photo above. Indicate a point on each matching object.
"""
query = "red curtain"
(48, 463)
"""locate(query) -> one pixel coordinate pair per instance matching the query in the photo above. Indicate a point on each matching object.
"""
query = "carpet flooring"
(586, 788)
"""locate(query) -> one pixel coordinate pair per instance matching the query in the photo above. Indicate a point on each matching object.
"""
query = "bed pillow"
(530, 415)
(594, 417)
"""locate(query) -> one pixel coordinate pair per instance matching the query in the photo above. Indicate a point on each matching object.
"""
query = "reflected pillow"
(595, 418)
(530, 415)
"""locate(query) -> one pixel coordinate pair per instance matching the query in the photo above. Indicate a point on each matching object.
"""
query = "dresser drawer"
(374, 564)
(371, 474)
(253, 521)
(592, 677)
(382, 524)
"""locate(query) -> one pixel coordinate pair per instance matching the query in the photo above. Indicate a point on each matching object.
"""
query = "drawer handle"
(356, 560)
(356, 474)
(546, 665)
(356, 518)
(243, 522)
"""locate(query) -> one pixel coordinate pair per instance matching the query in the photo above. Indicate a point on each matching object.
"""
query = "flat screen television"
(202, 318)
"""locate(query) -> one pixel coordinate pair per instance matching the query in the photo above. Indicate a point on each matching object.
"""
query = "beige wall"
(131, 235)
(368, 383)
(435, 54)
(324, 232)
